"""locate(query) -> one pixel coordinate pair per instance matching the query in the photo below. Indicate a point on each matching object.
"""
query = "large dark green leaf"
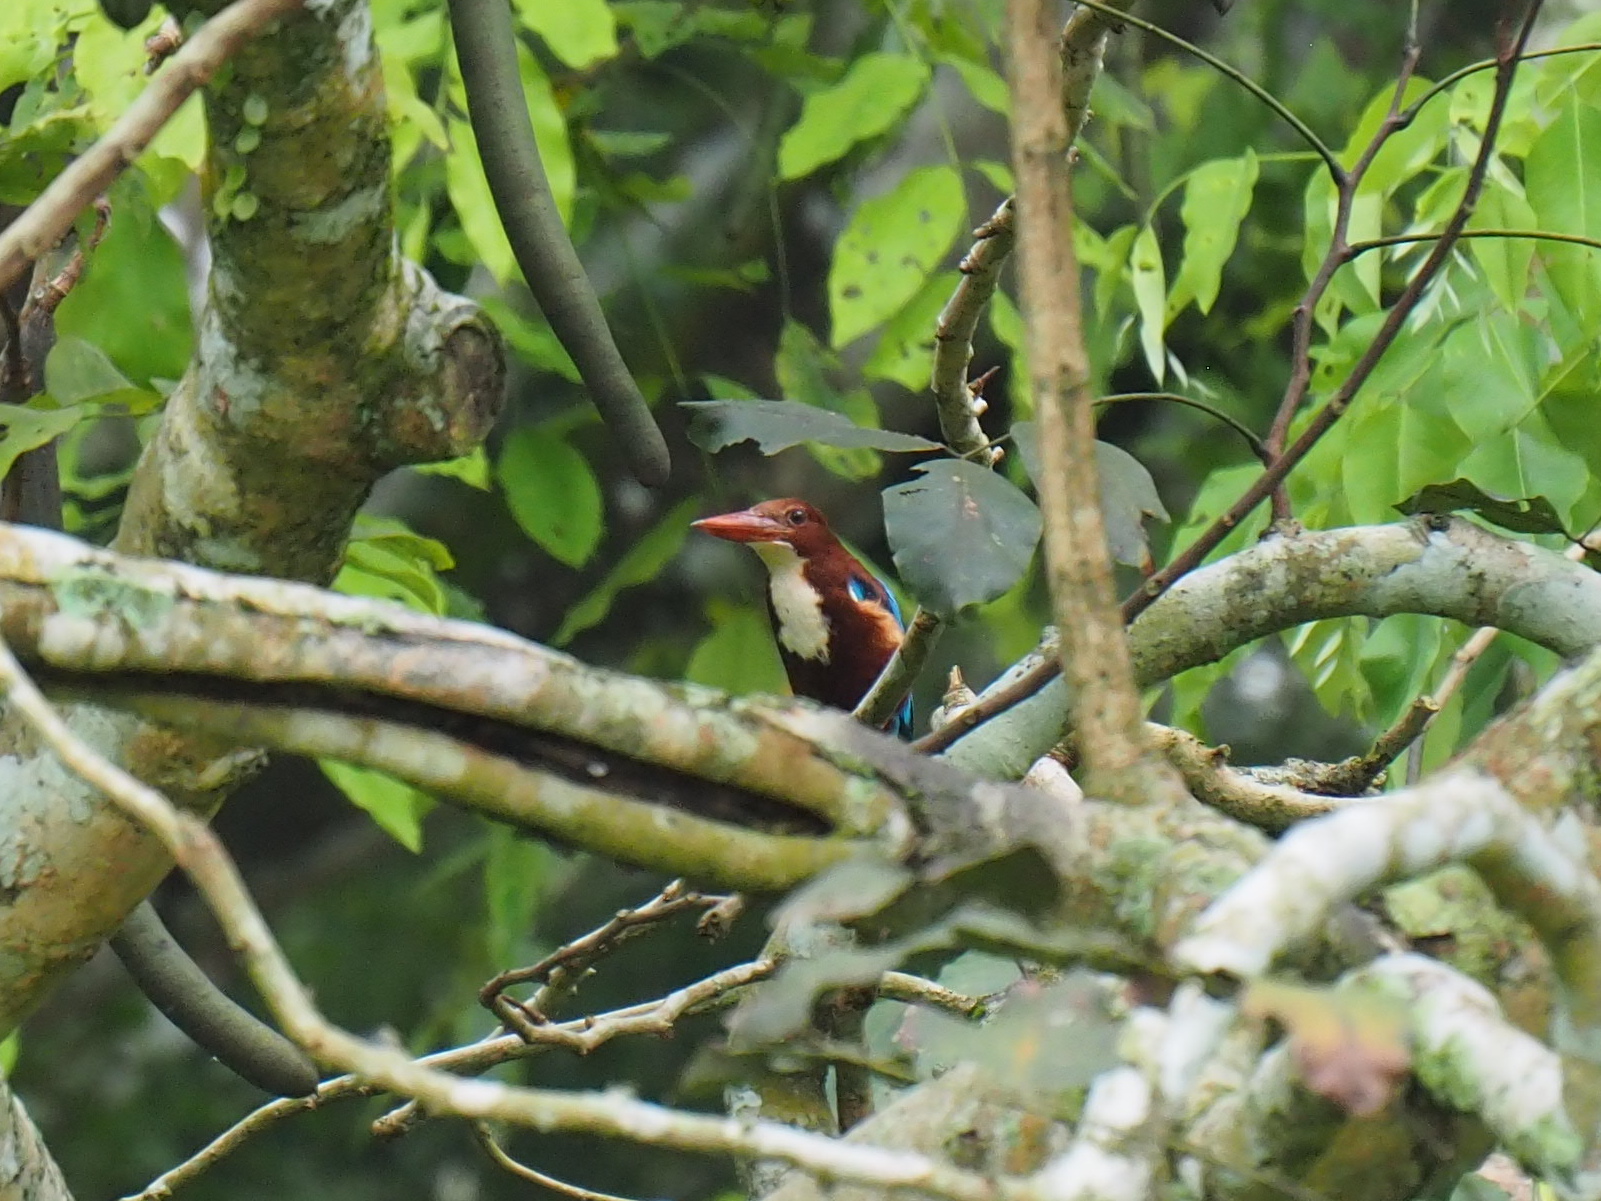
(776, 425)
(1128, 493)
(961, 534)
(1521, 515)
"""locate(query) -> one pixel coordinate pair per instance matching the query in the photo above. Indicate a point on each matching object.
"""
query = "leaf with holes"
(961, 534)
(1521, 515)
(889, 249)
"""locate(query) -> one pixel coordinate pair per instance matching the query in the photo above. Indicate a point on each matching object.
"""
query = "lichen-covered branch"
(1442, 566)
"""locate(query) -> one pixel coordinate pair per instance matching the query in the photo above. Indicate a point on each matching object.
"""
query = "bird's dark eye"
(796, 516)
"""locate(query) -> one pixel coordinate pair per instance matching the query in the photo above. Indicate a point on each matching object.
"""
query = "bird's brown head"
(788, 520)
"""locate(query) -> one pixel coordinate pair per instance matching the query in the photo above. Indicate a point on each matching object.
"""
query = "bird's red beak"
(745, 526)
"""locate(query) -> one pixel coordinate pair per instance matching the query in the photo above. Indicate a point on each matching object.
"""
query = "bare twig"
(497, 1153)
(580, 1035)
(1246, 433)
(564, 968)
(1510, 54)
(163, 44)
(49, 217)
(12, 370)
(953, 335)
(614, 1115)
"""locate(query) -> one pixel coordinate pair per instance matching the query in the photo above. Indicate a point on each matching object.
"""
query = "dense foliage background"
(771, 197)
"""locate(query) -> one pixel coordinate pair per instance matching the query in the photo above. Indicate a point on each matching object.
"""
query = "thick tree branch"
(1436, 565)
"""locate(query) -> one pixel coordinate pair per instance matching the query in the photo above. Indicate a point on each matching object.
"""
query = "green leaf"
(1523, 514)
(739, 655)
(78, 372)
(579, 32)
(776, 425)
(875, 93)
(985, 85)
(516, 871)
(471, 469)
(1504, 261)
(644, 561)
(552, 492)
(1393, 448)
(1562, 179)
(398, 808)
(8, 1052)
(27, 428)
(890, 246)
(905, 352)
(961, 534)
(1128, 493)
(1216, 199)
(1150, 298)
(389, 561)
(138, 269)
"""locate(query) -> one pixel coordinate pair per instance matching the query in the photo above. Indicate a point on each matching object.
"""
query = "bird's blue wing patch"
(861, 591)
(902, 725)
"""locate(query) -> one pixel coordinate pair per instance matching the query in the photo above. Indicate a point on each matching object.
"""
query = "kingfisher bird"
(836, 623)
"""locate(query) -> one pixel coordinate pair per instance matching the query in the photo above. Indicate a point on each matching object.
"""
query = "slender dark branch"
(1258, 447)
(1337, 255)
(561, 1188)
(1302, 129)
(12, 371)
(1446, 83)
(1533, 235)
(177, 987)
(486, 47)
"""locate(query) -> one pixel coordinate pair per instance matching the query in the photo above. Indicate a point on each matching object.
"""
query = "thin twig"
(1258, 447)
(1302, 129)
(953, 335)
(203, 858)
(48, 218)
(12, 370)
(580, 1035)
(1534, 235)
(565, 967)
(497, 1153)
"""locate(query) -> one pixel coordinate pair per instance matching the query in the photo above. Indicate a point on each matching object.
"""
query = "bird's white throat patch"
(802, 628)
